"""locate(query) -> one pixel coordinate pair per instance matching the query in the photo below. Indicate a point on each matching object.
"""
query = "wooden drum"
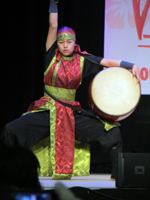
(114, 93)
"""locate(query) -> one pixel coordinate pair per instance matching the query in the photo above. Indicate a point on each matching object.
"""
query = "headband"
(66, 33)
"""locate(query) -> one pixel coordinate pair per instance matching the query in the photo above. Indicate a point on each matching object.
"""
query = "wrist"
(126, 65)
(53, 6)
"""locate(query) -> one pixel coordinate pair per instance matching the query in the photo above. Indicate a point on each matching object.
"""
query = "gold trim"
(82, 66)
(61, 93)
(67, 58)
(57, 176)
(65, 36)
(81, 165)
(50, 65)
(55, 73)
(109, 125)
(52, 133)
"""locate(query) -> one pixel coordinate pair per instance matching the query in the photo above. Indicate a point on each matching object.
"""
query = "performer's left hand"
(135, 72)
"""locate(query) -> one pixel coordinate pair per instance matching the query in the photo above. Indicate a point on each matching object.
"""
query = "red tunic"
(65, 74)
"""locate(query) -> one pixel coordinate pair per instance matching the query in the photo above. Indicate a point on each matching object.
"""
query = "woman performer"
(66, 66)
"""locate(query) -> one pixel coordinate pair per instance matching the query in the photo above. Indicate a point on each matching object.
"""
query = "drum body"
(114, 93)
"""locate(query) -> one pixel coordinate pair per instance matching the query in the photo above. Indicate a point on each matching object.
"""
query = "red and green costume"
(49, 127)
(62, 77)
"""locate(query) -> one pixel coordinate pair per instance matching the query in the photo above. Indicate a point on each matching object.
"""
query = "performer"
(65, 69)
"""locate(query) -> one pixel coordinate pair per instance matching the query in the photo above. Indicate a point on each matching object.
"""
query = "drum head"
(115, 92)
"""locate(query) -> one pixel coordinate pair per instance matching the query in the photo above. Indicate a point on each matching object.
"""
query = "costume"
(62, 76)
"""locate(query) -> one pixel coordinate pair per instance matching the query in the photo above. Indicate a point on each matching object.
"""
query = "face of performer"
(66, 47)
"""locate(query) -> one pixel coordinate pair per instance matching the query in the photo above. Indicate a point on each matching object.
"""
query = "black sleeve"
(49, 55)
(91, 65)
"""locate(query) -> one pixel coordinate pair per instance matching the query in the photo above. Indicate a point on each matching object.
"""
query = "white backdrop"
(127, 35)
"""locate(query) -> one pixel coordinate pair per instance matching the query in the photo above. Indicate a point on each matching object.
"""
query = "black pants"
(27, 130)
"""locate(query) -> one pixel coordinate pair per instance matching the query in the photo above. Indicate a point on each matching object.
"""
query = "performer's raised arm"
(53, 24)
(116, 63)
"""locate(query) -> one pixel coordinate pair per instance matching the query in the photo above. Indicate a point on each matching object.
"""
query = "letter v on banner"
(140, 19)
(127, 35)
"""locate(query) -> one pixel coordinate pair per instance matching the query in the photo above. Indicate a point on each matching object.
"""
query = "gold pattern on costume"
(52, 133)
(61, 176)
(109, 124)
(66, 36)
(67, 58)
(55, 73)
(81, 159)
(50, 65)
(42, 152)
(82, 64)
(61, 93)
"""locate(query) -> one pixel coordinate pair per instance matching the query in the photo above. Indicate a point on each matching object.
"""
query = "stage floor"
(94, 181)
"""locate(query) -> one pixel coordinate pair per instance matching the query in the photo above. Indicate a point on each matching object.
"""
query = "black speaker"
(133, 170)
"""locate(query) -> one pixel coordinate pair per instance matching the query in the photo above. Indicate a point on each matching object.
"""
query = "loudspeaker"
(133, 170)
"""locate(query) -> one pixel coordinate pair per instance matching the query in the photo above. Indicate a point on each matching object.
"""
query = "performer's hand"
(135, 72)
